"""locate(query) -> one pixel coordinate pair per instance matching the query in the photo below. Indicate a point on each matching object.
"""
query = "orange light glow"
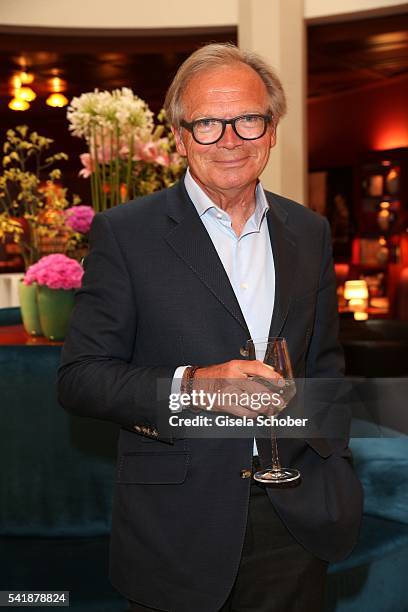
(17, 104)
(391, 137)
(57, 100)
(360, 316)
(57, 85)
(355, 290)
(25, 93)
(15, 81)
(26, 77)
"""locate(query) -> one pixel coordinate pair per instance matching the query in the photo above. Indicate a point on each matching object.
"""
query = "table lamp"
(356, 293)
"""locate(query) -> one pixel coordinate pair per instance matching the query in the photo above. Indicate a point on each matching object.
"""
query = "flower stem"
(129, 195)
(111, 172)
(117, 198)
(103, 194)
(98, 190)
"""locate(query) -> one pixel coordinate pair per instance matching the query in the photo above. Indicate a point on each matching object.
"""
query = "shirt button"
(219, 215)
(244, 285)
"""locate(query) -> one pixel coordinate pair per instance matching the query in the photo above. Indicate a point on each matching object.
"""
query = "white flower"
(121, 112)
(88, 111)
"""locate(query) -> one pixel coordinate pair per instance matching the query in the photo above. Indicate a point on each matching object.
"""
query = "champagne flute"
(274, 352)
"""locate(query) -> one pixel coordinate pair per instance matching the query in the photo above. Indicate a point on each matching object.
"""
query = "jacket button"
(245, 473)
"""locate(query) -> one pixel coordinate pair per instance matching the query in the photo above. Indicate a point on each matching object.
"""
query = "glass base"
(278, 476)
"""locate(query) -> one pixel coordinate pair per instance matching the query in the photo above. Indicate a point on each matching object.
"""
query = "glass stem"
(276, 466)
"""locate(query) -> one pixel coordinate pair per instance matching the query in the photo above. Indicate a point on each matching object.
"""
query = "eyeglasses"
(210, 130)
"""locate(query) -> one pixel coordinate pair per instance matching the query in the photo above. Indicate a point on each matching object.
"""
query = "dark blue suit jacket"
(155, 295)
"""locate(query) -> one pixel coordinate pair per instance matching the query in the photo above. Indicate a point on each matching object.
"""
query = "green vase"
(29, 308)
(55, 307)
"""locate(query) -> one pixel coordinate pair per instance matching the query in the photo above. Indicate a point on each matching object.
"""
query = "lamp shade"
(355, 289)
(17, 104)
(57, 100)
(25, 93)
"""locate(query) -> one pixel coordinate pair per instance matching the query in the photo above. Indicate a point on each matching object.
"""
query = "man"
(180, 280)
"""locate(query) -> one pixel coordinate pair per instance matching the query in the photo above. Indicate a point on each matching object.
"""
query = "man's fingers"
(241, 411)
(259, 369)
(237, 369)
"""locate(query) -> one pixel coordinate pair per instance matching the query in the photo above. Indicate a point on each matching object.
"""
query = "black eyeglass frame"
(190, 126)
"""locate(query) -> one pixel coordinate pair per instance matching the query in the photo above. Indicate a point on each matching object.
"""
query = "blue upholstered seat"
(10, 316)
(373, 577)
(56, 498)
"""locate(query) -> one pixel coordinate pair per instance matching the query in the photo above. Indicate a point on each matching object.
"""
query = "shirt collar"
(203, 203)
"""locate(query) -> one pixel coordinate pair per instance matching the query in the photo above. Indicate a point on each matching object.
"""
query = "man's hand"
(241, 388)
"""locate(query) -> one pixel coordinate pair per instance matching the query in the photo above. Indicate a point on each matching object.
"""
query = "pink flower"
(79, 218)
(87, 163)
(55, 271)
(163, 159)
(103, 155)
(152, 152)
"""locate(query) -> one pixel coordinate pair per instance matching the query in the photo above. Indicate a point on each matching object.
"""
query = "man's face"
(224, 93)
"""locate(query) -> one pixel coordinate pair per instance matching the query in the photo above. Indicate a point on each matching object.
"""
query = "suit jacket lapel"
(190, 240)
(285, 255)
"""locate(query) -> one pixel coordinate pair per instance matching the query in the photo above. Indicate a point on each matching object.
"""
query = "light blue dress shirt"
(247, 259)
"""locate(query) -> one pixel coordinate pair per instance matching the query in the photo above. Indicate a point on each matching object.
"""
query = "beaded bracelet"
(188, 379)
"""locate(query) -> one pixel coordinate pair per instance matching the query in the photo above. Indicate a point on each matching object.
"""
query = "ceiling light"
(26, 77)
(57, 85)
(57, 100)
(18, 104)
(25, 93)
(15, 81)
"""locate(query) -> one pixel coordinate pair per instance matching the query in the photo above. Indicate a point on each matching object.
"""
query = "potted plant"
(35, 212)
(54, 279)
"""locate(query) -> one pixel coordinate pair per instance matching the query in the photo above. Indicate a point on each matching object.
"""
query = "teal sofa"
(56, 484)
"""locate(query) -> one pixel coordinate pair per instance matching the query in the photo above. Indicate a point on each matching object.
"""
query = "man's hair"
(218, 55)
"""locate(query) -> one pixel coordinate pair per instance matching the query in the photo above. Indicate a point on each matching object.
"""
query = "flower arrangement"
(55, 272)
(32, 202)
(128, 156)
(79, 218)
(47, 295)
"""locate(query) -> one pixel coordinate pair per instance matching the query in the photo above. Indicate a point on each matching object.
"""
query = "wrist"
(187, 381)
